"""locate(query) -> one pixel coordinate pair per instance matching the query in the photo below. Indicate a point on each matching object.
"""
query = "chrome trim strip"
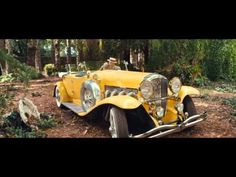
(168, 129)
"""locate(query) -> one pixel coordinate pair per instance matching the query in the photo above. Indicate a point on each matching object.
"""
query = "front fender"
(121, 101)
(63, 93)
(187, 90)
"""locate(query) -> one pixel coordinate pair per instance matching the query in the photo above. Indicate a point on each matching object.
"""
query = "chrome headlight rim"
(149, 92)
(160, 111)
(175, 85)
(180, 107)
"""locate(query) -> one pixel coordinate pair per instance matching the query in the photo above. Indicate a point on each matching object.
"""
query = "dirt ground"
(219, 123)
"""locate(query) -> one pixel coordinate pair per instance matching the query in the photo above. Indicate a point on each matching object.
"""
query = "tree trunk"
(9, 52)
(53, 51)
(79, 47)
(2, 64)
(78, 52)
(68, 45)
(31, 50)
(146, 52)
(93, 49)
(127, 55)
(38, 64)
(57, 54)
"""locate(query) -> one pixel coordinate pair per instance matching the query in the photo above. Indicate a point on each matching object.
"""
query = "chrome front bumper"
(164, 130)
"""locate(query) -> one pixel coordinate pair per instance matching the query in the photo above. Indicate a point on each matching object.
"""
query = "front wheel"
(189, 106)
(118, 123)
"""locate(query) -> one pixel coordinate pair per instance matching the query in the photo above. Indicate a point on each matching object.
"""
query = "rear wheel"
(118, 123)
(58, 98)
(189, 106)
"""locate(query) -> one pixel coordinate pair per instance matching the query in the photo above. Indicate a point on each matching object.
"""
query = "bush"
(12, 126)
(4, 98)
(7, 78)
(46, 121)
(189, 74)
(49, 69)
(231, 102)
(22, 133)
(21, 71)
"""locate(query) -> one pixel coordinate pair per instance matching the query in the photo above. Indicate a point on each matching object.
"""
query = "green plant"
(231, 102)
(7, 78)
(49, 69)
(13, 132)
(200, 81)
(46, 121)
(21, 71)
(4, 98)
(13, 126)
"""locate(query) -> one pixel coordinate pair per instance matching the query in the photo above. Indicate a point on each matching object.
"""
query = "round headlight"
(146, 89)
(180, 107)
(175, 85)
(160, 111)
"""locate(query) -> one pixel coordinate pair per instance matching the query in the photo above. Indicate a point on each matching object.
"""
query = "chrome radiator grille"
(164, 92)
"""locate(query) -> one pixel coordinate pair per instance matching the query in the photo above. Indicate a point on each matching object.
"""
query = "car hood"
(127, 79)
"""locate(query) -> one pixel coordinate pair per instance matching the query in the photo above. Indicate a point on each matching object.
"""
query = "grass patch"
(221, 86)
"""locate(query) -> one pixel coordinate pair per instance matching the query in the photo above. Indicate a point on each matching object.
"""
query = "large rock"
(29, 112)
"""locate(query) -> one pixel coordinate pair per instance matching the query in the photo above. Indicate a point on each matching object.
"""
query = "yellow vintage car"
(135, 104)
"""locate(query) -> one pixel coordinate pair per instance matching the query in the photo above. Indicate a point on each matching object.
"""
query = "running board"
(74, 107)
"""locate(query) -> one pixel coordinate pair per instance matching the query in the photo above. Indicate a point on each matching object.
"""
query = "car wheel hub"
(58, 98)
(112, 128)
(88, 98)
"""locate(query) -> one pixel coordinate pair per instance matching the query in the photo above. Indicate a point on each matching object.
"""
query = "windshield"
(95, 65)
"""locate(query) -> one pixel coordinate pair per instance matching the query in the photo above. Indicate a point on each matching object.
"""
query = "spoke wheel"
(58, 97)
(118, 123)
(89, 99)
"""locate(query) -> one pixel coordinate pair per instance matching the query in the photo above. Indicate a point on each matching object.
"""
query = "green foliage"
(167, 52)
(4, 98)
(21, 71)
(12, 132)
(94, 65)
(110, 48)
(220, 61)
(194, 60)
(26, 73)
(7, 78)
(231, 102)
(214, 61)
(13, 126)
(200, 81)
(226, 87)
(154, 61)
(46, 121)
(49, 69)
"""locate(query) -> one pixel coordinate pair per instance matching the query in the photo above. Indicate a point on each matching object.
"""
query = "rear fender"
(63, 93)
